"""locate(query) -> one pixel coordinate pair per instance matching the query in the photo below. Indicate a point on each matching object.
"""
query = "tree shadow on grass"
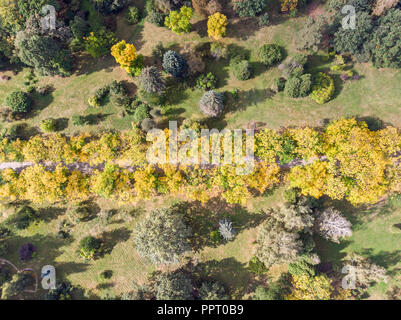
(96, 118)
(385, 259)
(200, 27)
(203, 219)
(50, 213)
(233, 274)
(112, 238)
(248, 98)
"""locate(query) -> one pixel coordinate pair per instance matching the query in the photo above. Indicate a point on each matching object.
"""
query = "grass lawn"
(376, 235)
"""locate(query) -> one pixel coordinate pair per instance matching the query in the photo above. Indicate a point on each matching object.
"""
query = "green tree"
(151, 81)
(179, 22)
(212, 291)
(173, 286)
(19, 101)
(211, 103)
(98, 43)
(162, 236)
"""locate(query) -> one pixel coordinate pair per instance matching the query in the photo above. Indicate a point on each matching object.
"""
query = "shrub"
(215, 237)
(256, 266)
(279, 84)
(212, 291)
(155, 17)
(106, 274)
(270, 54)
(219, 50)
(63, 291)
(26, 251)
(264, 20)
(179, 22)
(226, 229)
(174, 64)
(216, 25)
(132, 15)
(99, 43)
(151, 81)
(298, 86)
(162, 236)
(147, 124)
(273, 292)
(249, 8)
(49, 125)
(141, 113)
(211, 103)
(173, 286)
(206, 82)
(19, 101)
(291, 195)
(242, 70)
(322, 88)
(90, 247)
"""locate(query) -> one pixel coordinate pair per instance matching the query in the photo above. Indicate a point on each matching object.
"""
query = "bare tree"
(332, 225)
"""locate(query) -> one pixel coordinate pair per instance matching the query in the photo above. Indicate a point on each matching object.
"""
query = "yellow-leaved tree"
(128, 58)
(216, 25)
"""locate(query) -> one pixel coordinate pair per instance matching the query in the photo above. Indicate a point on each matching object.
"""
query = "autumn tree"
(162, 236)
(307, 287)
(179, 22)
(216, 25)
(128, 58)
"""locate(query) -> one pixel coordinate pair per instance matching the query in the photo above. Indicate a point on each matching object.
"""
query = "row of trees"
(345, 160)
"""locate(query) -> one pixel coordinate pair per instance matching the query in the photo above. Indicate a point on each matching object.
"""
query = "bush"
(212, 291)
(132, 15)
(219, 50)
(211, 103)
(249, 8)
(256, 266)
(291, 195)
(155, 17)
(264, 20)
(63, 291)
(151, 81)
(141, 113)
(147, 124)
(215, 237)
(90, 247)
(49, 125)
(26, 251)
(279, 84)
(173, 286)
(174, 64)
(106, 274)
(296, 87)
(242, 70)
(269, 54)
(19, 101)
(322, 88)
(206, 82)
(273, 292)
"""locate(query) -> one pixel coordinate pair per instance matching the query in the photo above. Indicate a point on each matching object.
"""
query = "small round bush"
(90, 247)
(291, 195)
(323, 88)
(298, 86)
(219, 50)
(132, 15)
(141, 113)
(206, 82)
(263, 20)
(106, 274)
(175, 64)
(269, 54)
(147, 124)
(242, 70)
(211, 103)
(156, 18)
(26, 251)
(279, 84)
(49, 125)
(19, 101)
